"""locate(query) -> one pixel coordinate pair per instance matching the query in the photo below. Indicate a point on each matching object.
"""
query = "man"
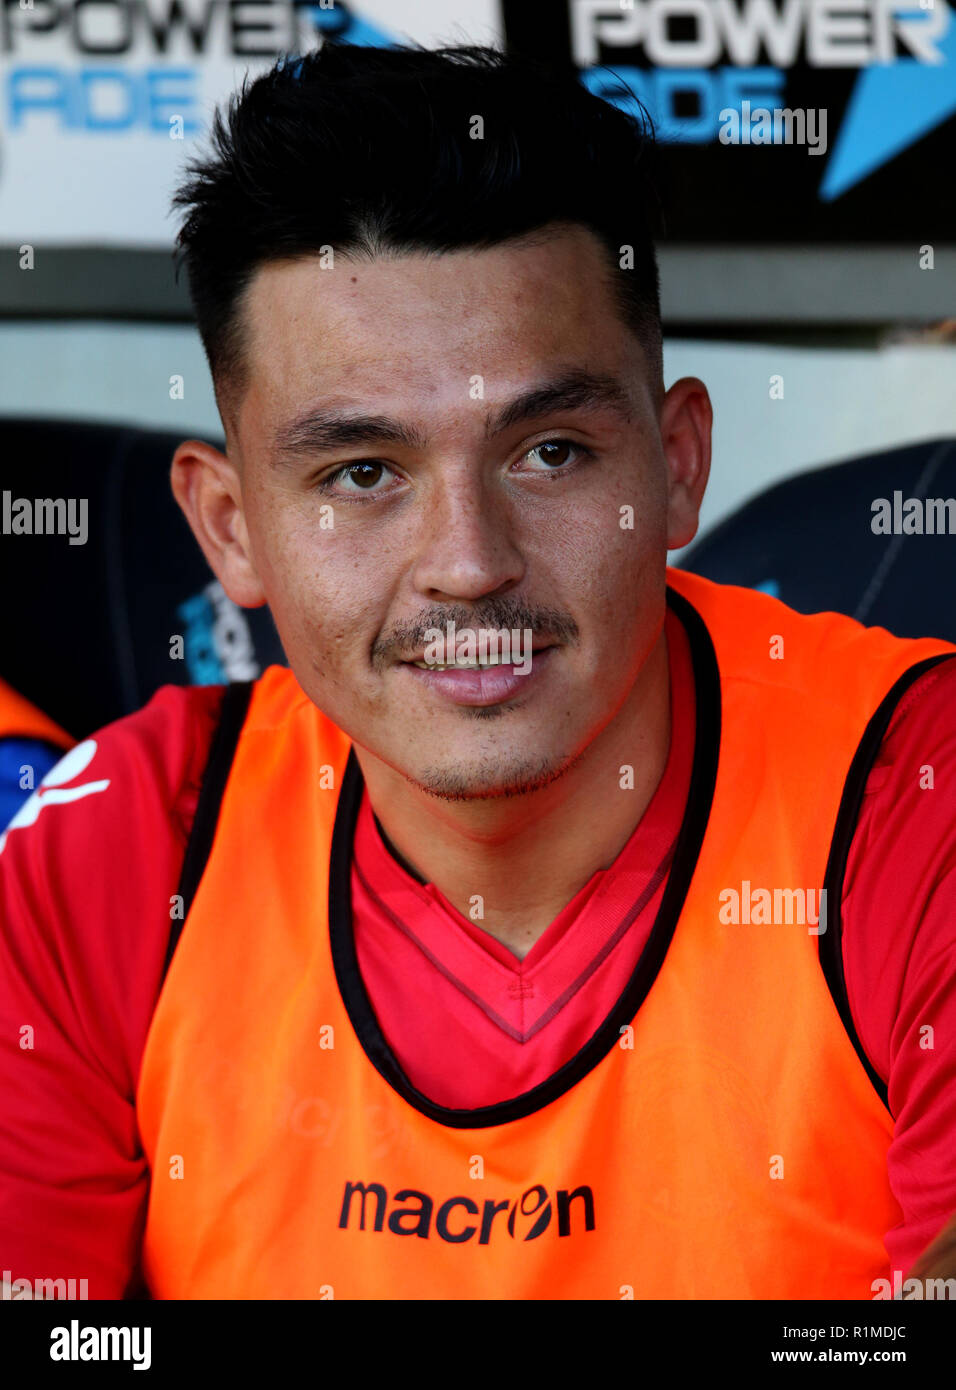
(447, 967)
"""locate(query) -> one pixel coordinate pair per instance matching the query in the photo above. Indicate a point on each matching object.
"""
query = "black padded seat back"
(89, 629)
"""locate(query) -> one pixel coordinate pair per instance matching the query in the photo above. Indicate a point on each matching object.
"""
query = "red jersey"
(87, 892)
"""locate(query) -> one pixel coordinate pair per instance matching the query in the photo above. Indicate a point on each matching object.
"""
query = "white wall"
(837, 402)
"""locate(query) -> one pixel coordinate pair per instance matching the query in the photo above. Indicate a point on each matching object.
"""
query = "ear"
(207, 488)
(687, 418)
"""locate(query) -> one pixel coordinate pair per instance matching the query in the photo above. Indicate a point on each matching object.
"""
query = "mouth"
(492, 659)
(474, 683)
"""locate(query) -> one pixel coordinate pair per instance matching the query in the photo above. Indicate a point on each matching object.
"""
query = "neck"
(527, 856)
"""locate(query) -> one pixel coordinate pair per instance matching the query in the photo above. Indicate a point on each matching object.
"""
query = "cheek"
(318, 588)
(326, 611)
(612, 553)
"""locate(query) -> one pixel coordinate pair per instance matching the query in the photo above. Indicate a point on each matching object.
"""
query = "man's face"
(553, 517)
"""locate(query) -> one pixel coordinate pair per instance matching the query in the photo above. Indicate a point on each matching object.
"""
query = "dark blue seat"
(810, 541)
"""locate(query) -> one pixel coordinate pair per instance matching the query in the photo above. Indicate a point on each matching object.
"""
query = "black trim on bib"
(222, 750)
(831, 941)
(689, 841)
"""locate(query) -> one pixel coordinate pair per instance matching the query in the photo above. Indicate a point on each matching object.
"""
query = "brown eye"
(555, 453)
(365, 475)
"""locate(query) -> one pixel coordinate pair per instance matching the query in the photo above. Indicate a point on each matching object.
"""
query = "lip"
(490, 686)
(420, 656)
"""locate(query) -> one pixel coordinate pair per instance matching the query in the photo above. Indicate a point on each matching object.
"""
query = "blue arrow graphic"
(891, 107)
(343, 23)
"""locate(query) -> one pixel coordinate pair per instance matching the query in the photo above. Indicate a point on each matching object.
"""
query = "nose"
(467, 547)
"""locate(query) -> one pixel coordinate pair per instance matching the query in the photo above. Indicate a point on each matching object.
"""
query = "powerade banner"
(102, 101)
(787, 120)
(783, 120)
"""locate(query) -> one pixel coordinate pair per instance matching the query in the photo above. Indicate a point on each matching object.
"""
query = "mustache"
(506, 614)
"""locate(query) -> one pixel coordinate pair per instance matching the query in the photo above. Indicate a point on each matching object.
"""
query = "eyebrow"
(322, 429)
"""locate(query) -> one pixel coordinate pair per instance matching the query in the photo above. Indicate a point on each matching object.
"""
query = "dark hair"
(369, 151)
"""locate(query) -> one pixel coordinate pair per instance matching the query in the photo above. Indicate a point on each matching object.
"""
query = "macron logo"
(51, 791)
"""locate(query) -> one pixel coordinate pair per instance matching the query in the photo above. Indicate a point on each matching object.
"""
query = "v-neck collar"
(700, 797)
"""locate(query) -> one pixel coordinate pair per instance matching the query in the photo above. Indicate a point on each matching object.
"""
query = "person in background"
(30, 745)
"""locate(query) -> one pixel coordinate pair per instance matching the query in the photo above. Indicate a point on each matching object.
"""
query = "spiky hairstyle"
(372, 151)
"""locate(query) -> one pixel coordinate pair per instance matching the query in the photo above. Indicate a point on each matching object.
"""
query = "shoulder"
(88, 865)
(910, 788)
(899, 944)
(901, 866)
(832, 667)
(139, 764)
(927, 710)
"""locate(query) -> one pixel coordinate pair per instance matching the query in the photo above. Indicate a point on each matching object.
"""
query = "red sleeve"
(899, 951)
(87, 869)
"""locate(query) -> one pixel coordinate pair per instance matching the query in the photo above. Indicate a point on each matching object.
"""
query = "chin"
(487, 779)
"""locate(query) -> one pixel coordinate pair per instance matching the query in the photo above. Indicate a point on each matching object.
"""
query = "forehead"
(421, 327)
